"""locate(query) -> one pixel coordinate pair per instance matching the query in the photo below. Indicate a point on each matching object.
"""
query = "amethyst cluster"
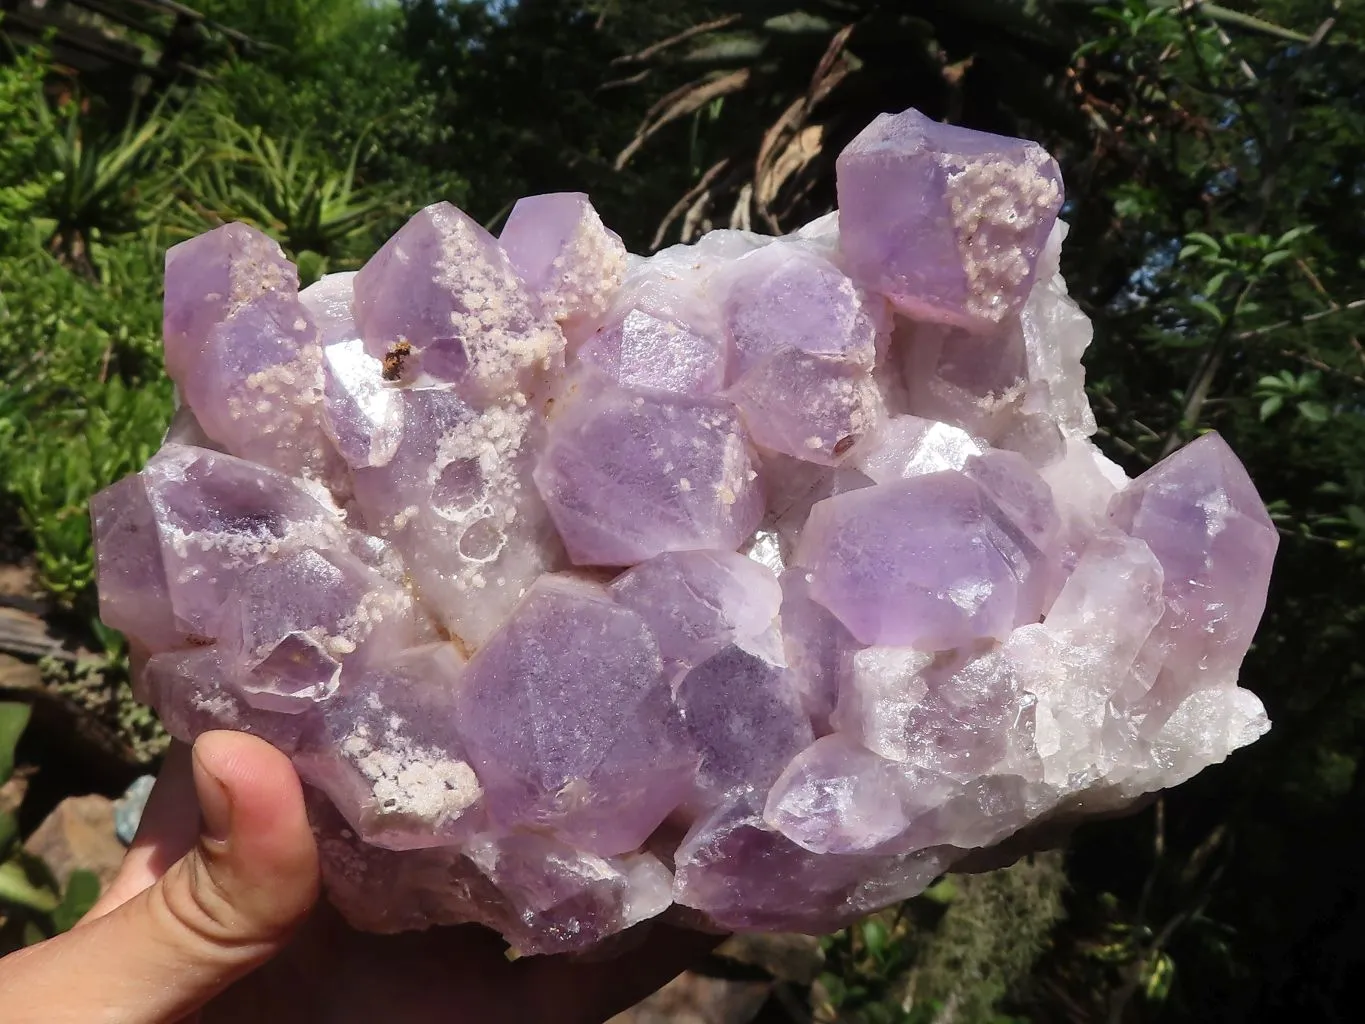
(757, 581)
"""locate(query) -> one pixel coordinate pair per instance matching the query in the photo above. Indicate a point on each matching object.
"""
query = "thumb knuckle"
(209, 918)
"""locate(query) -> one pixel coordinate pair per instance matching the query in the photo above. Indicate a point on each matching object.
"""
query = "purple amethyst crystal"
(946, 222)
(628, 475)
(766, 578)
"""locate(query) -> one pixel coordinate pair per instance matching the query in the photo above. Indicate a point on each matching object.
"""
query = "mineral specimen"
(762, 578)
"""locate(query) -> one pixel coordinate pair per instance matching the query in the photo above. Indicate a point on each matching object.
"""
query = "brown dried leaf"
(695, 223)
(693, 97)
(688, 198)
(804, 147)
(834, 51)
(789, 122)
(655, 49)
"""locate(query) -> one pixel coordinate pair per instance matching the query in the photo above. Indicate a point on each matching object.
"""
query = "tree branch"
(1300, 321)
(1201, 383)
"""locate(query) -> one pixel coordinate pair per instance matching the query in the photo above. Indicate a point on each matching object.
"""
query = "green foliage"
(104, 184)
(61, 460)
(20, 187)
(35, 906)
(287, 191)
(956, 952)
(1216, 241)
(529, 99)
(82, 399)
(339, 77)
(13, 721)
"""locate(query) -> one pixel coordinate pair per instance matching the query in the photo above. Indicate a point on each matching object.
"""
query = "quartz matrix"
(756, 582)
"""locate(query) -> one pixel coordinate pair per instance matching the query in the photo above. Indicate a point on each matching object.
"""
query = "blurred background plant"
(1215, 162)
(34, 905)
(317, 212)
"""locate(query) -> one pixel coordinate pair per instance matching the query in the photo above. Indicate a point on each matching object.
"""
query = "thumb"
(223, 909)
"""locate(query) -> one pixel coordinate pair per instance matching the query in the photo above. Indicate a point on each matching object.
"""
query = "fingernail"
(215, 805)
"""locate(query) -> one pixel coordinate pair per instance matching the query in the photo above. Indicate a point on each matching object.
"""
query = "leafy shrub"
(63, 459)
(35, 906)
(20, 187)
(83, 399)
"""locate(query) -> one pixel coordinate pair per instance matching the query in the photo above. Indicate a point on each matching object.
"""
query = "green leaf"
(13, 720)
(34, 934)
(943, 892)
(875, 937)
(82, 890)
(18, 888)
(1205, 306)
(1271, 406)
(1206, 241)
(1215, 284)
(799, 22)
(834, 987)
(1272, 258)
(1251, 23)
(1293, 235)
(1314, 412)
(1159, 971)
(9, 832)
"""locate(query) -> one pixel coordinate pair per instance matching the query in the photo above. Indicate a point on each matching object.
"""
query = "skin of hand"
(214, 917)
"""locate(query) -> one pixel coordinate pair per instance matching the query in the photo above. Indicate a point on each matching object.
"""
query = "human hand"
(213, 911)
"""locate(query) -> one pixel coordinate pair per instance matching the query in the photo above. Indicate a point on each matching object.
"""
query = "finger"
(224, 908)
(168, 830)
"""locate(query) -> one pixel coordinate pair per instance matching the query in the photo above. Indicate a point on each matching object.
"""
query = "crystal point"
(947, 222)
(565, 255)
(442, 299)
